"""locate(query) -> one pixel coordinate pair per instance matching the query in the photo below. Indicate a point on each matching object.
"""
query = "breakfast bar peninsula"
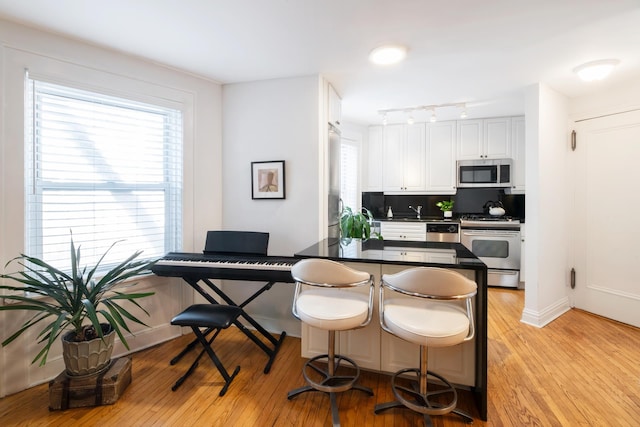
(374, 349)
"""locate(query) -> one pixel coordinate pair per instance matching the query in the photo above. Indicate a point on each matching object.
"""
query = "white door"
(606, 237)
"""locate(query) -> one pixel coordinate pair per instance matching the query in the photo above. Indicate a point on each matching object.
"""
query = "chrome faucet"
(416, 210)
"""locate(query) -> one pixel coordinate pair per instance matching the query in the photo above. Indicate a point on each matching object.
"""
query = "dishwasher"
(443, 231)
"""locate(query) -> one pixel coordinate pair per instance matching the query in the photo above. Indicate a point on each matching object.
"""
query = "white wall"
(274, 120)
(608, 100)
(548, 216)
(66, 60)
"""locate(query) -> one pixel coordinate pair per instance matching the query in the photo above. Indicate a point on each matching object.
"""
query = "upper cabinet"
(403, 158)
(484, 139)
(441, 158)
(335, 107)
(421, 158)
(518, 155)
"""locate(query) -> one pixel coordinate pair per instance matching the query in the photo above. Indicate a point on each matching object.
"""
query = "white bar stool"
(431, 307)
(324, 298)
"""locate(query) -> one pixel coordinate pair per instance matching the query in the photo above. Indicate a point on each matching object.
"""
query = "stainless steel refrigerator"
(334, 205)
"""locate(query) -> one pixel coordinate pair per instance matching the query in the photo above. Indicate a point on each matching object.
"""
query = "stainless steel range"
(496, 241)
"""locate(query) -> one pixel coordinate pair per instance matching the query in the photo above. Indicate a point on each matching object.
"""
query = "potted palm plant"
(73, 303)
(356, 224)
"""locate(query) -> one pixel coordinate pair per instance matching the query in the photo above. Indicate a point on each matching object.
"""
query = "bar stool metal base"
(423, 402)
(330, 383)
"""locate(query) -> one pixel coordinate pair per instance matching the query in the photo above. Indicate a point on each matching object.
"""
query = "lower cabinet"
(374, 349)
(522, 253)
(410, 231)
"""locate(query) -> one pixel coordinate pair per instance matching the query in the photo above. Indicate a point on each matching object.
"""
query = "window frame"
(173, 200)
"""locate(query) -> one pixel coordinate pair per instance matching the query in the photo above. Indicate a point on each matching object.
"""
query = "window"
(105, 169)
(349, 154)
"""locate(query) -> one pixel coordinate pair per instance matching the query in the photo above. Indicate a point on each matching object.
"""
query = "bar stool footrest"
(331, 383)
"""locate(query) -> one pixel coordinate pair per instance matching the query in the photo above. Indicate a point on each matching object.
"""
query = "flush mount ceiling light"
(595, 70)
(388, 55)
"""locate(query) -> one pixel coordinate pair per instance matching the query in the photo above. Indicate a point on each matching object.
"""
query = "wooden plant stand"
(103, 388)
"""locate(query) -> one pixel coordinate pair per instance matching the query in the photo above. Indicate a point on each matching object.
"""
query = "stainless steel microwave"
(484, 173)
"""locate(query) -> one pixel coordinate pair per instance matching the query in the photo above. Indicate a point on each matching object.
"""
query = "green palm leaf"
(63, 300)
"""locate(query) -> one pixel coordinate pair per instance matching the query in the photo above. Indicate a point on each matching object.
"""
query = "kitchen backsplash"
(467, 201)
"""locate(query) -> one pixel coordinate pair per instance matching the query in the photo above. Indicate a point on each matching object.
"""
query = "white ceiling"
(483, 53)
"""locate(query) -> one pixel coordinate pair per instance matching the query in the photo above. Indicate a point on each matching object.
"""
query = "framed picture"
(267, 180)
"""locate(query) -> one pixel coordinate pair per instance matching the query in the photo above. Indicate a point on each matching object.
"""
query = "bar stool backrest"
(438, 283)
(327, 273)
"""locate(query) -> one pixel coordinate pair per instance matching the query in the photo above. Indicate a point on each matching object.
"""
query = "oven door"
(499, 249)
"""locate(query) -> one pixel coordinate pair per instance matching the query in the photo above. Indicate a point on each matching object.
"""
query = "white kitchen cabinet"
(497, 138)
(409, 231)
(470, 140)
(421, 158)
(522, 253)
(372, 159)
(441, 158)
(335, 107)
(518, 154)
(403, 158)
(484, 139)
(413, 255)
(363, 345)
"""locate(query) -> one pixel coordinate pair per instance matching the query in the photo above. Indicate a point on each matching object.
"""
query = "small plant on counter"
(445, 205)
(356, 224)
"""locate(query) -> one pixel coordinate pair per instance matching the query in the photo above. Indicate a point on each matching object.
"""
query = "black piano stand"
(270, 351)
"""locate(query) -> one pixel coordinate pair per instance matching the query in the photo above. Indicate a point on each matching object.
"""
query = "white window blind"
(349, 154)
(105, 169)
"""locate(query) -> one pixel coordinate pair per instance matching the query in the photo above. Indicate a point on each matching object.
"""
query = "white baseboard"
(147, 338)
(541, 318)
(290, 325)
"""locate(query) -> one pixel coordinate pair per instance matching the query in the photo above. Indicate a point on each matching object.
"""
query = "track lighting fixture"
(409, 112)
(463, 113)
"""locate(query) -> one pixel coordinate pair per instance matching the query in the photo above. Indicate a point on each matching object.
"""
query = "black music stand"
(241, 243)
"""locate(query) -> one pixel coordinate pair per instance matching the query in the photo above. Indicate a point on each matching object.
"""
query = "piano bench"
(214, 317)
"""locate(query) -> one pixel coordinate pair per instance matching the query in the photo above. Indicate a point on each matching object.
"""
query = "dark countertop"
(437, 254)
(415, 219)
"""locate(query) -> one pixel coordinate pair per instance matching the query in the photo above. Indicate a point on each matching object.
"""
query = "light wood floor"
(580, 370)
